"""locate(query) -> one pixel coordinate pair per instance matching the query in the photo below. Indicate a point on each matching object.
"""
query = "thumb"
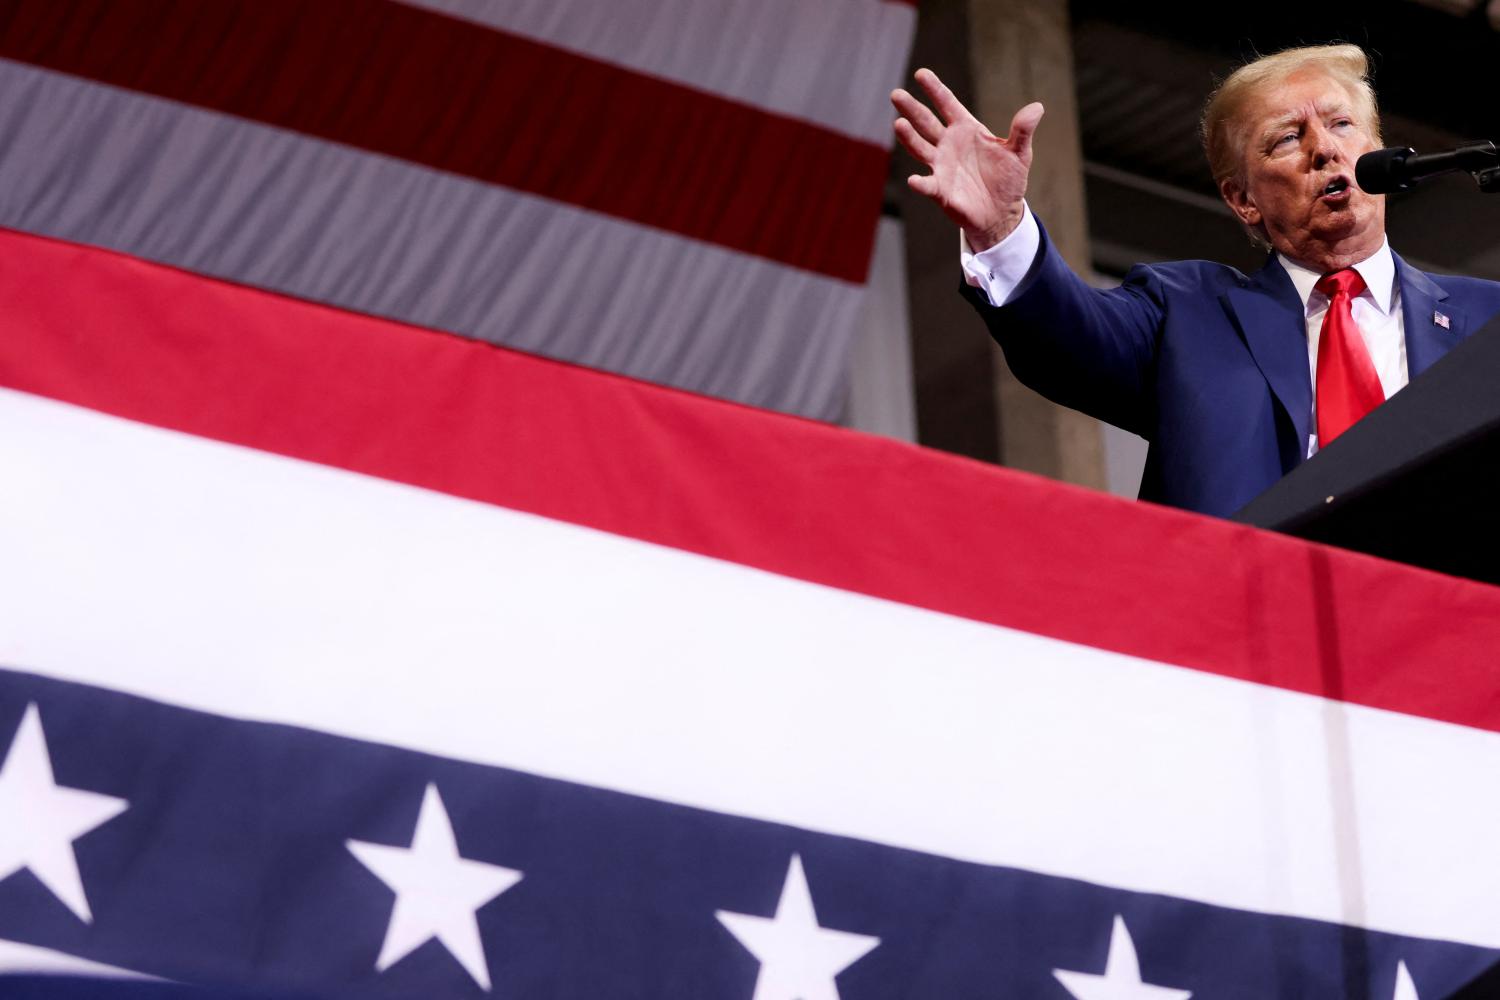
(1022, 126)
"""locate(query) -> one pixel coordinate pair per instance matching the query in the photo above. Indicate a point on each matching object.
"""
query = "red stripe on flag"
(446, 93)
(794, 497)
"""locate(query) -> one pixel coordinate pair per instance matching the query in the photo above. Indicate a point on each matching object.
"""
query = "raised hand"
(977, 179)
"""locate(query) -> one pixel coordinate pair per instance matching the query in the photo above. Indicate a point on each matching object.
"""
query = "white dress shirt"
(999, 271)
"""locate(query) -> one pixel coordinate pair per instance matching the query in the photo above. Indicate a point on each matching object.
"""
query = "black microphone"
(1399, 168)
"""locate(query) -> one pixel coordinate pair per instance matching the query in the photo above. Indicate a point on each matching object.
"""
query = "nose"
(1325, 149)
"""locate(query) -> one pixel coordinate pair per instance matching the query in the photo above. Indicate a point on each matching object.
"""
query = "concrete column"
(1022, 51)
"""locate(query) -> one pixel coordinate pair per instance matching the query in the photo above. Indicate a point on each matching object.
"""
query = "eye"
(1284, 138)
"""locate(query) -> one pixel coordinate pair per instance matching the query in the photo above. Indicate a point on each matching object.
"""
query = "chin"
(1345, 225)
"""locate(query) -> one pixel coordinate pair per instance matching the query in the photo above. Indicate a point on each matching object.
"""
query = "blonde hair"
(1225, 135)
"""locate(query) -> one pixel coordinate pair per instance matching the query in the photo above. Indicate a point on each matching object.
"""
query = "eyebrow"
(1296, 117)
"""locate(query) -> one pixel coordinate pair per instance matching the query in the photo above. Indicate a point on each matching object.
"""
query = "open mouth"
(1335, 187)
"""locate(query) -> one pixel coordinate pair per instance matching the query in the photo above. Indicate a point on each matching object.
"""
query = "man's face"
(1303, 137)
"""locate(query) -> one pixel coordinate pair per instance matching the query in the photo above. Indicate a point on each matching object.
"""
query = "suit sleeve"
(1089, 349)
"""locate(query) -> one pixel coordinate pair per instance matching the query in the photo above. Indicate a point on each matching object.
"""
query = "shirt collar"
(1378, 270)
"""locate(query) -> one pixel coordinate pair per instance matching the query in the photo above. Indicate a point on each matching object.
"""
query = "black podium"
(1418, 480)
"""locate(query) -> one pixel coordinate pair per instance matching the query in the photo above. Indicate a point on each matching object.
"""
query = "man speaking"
(1233, 379)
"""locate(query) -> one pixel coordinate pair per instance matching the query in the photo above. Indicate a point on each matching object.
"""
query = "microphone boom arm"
(1402, 168)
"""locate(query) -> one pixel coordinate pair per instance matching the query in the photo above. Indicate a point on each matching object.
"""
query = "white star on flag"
(1405, 988)
(43, 818)
(437, 892)
(1122, 975)
(798, 958)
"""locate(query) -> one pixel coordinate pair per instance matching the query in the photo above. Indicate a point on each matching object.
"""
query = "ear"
(1239, 201)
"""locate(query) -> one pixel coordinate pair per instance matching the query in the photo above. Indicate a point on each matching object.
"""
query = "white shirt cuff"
(999, 271)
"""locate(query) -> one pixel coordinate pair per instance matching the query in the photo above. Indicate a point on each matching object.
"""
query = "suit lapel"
(1426, 338)
(1273, 322)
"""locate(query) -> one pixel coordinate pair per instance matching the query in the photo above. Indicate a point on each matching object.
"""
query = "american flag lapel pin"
(1441, 319)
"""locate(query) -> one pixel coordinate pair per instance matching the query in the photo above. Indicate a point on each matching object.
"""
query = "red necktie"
(1348, 387)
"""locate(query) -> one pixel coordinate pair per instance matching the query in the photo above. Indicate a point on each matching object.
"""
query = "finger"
(914, 144)
(920, 115)
(1023, 126)
(923, 184)
(950, 107)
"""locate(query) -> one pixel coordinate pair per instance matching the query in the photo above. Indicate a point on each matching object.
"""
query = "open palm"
(977, 179)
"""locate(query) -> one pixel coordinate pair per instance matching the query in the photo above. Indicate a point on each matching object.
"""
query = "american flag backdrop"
(681, 190)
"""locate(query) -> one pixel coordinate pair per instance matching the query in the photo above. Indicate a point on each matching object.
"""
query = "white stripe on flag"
(364, 608)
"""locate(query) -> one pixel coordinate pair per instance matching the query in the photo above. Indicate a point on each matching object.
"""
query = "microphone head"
(1382, 171)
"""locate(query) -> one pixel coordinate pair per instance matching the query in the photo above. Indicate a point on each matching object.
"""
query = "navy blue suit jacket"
(1207, 364)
